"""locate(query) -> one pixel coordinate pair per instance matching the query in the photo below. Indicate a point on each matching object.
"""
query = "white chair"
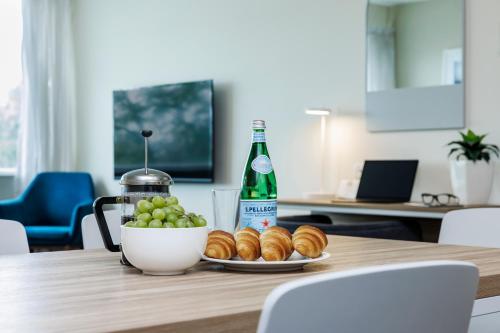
(13, 239)
(472, 227)
(91, 235)
(432, 296)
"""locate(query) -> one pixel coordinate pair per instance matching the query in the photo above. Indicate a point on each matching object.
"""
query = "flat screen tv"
(181, 117)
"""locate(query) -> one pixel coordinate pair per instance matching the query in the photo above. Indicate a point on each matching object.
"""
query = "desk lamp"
(323, 113)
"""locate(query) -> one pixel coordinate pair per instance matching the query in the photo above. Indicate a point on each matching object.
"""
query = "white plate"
(295, 262)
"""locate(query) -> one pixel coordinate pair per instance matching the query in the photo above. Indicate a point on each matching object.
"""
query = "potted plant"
(472, 169)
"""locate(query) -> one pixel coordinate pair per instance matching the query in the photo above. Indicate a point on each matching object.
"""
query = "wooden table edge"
(246, 321)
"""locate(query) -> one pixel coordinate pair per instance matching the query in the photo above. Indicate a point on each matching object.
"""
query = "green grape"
(159, 202)
(130, 224)
(168, 210)
(141, 224)
(190, 224)
(168, 225)
(200, 221)
(194, 219)
(178, 209)
(172, 217)
(146, 217)
(155, 224)
(144, 206)
(191, 215)
(181, 223)
(172, 201)
(137, 212)
(159, 214)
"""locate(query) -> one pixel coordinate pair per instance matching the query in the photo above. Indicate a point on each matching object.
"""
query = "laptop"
(387, 181)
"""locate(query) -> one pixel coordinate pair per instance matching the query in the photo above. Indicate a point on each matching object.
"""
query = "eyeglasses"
(441, 199)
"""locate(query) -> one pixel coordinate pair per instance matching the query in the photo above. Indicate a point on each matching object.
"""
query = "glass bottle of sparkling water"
(258, 188)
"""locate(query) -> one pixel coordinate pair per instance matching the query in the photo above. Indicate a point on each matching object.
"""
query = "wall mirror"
(414, 64)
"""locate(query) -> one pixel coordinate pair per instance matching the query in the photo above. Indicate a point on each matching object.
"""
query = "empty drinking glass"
(226, 202)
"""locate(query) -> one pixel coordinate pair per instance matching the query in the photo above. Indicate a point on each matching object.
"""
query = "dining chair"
(472, 227)
(429, 296)
(13, 239)
(90, 231)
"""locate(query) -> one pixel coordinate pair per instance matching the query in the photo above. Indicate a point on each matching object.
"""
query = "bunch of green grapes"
(160, 212)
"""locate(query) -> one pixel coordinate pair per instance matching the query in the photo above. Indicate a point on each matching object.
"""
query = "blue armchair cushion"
(46, 232)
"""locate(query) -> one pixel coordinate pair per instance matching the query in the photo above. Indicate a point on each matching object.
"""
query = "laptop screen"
(387, 181)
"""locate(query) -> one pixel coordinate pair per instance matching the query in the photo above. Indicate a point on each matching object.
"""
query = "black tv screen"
(181, 118)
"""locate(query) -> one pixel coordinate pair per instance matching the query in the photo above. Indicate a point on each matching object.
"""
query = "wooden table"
(406, 210)
(89, 291)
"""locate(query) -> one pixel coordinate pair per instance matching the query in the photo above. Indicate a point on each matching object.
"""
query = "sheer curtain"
(47, 119)
(381, 59)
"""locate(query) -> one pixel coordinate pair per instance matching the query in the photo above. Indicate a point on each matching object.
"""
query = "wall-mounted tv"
(181, 117)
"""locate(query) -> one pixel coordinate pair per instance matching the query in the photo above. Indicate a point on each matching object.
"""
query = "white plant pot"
(472, 181)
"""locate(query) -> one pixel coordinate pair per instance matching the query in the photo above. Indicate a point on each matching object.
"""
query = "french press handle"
(101, 220)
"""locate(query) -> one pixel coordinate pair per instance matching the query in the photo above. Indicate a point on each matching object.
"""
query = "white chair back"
(13, 239)
(432, 296)
(472, 227)
(90, 230)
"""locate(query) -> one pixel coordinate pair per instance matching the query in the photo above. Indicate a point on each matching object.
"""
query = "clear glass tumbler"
(226, 203)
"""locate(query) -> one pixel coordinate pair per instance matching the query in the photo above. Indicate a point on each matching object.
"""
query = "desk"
(429, 218)
(89, 291)
(406, 210)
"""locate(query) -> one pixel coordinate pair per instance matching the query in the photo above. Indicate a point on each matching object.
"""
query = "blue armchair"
(52, 207)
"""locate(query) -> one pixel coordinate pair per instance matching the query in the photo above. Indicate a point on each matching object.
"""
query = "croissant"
(276, 244)
(248, 244)
(309, 241)
(220, 245)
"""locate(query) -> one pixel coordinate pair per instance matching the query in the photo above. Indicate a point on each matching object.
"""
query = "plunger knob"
(146, 133)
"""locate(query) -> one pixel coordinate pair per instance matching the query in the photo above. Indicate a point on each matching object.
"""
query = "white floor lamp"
(323, 113)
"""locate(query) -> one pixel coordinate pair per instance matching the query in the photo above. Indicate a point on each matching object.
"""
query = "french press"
(136, 185)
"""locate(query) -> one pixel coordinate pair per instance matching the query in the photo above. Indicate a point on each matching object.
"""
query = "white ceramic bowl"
(163, 251)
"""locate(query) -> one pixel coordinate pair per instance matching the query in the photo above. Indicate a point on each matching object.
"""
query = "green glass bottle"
(258, 188)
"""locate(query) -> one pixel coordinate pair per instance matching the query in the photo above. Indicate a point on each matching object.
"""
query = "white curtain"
(47, 120)
(380, 60)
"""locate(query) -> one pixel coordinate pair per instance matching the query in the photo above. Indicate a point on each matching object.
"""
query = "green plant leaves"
(472, 148)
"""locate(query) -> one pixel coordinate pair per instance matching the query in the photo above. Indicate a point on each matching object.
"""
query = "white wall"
(270, 60)
(482, 112)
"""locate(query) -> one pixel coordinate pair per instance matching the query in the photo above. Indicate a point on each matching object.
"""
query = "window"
(10, 81)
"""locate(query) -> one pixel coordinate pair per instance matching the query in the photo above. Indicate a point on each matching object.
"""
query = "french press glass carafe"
(136, 185)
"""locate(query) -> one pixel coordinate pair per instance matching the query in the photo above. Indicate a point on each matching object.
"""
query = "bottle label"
(259, 137)
(258, 214)
(262, 164)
